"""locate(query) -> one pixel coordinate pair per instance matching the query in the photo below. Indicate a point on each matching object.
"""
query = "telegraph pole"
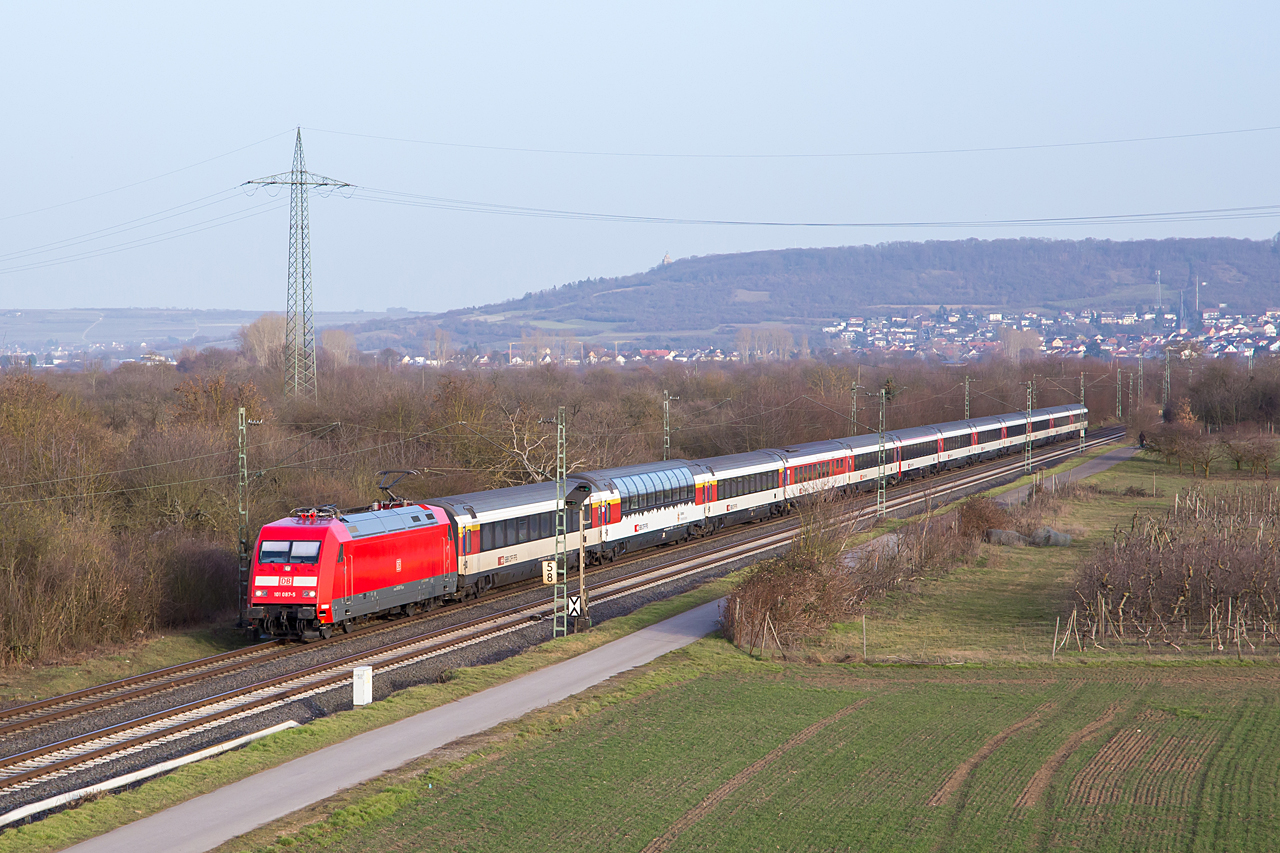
(666, 424)
(881, 497)
(1164, 403)
(853, 417)
(1082, 403)
(1141, 372)
(1026, 448)
(560, 622)
(242, 491)
(300, 333)
(1119, 409)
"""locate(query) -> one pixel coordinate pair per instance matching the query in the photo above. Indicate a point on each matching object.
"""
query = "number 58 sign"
(548, 571)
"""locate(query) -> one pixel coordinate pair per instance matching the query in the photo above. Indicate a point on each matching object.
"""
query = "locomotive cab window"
(306, 551)
(273, 552)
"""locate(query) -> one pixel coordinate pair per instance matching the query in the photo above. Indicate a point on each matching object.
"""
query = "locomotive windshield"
(301, 551)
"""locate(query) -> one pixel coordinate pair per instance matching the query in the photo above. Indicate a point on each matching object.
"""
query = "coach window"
(668, 484)
(652, 491)
(522, 529)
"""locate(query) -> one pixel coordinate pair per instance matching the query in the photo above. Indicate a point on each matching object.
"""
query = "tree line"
(120, 487)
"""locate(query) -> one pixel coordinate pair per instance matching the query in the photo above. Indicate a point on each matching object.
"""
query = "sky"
(130, 128)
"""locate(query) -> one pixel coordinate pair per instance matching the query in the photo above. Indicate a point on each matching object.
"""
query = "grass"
(680, 746)
(653, 760)
(27, 684)
(100, 816)
(1002, 606)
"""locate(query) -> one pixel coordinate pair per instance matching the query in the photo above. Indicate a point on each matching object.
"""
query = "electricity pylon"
(300, 332)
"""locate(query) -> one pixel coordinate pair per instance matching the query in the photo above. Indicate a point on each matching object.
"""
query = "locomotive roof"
(360, 524)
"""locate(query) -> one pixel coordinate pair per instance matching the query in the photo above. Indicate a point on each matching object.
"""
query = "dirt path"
(1040, 781)
(957, 777)
(741, 778)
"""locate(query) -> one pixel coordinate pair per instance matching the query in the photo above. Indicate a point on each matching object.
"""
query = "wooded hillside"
(807, 287)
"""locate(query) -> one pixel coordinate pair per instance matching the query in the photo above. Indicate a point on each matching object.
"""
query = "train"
(323, 569)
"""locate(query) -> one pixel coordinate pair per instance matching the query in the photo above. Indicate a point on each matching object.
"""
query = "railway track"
(47, 763)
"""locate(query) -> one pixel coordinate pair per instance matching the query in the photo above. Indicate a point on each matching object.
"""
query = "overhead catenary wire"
(804, 155)
(184, 460)
(212, 477)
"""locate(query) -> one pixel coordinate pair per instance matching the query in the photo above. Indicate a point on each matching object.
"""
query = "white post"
(361, 686)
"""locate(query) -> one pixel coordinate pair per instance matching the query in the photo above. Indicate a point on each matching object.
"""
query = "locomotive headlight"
(258, 592)
(310, 593)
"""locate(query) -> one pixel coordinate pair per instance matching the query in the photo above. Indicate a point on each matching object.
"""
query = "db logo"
(397, 564)
(286, 581)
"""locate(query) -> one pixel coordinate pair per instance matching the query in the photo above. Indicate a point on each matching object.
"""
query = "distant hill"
(703, 298)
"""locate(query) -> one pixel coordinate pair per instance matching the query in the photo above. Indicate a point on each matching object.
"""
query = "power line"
(163, 237)
(144, 180)
(800, 156)
(440, 203)
(183, 460)
(130, 225)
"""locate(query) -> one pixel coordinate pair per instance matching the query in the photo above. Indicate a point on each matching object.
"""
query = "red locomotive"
(321, 568)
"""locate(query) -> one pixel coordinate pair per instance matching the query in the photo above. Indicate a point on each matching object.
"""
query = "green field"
(710, 749)
(754, 755)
